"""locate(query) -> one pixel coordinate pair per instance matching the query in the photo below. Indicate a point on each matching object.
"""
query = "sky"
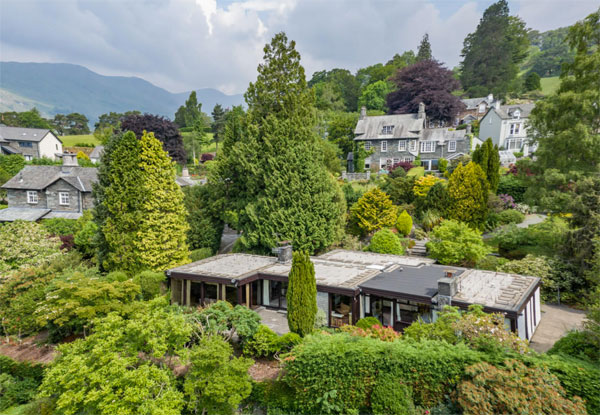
(182, 45)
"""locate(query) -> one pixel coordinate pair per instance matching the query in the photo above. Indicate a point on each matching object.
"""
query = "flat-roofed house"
(30, 142)
(395, 289)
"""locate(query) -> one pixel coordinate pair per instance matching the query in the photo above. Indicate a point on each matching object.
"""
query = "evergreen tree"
(532, 82)
(373, 211)
(274, 176)
(488, 158)
(493, 53)
(301, 295)
(468, 189)
(187, 115)
(424, 53)
(218, 124)
(139, 207)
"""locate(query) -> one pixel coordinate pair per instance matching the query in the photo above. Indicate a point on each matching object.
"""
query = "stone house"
(38, 192)
(30, 142)
(397, 290)
(507, 126)
(475, 108)
(404, 137)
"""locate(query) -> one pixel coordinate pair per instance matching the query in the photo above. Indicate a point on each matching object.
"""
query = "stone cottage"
(38, 192)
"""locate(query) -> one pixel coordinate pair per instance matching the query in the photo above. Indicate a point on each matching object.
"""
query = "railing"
(356, 176)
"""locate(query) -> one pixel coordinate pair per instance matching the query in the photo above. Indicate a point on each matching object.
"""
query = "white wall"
(49, 146)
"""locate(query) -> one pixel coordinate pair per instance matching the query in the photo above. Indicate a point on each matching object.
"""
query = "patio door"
(278, 294)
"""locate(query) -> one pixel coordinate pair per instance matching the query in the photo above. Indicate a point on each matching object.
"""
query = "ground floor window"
(430, 165)
(341, 310)
(514, 143)
(277, 294)
(211, 293)
(396, 313)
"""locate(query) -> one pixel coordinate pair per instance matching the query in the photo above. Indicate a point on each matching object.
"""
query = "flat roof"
(419, 281)
(372, 259)
(236, 266)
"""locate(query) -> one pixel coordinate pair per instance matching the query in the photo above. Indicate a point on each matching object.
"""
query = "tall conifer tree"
(488, 158)
(424, 53)
(468, 189)
(301, 295)
(274, 176)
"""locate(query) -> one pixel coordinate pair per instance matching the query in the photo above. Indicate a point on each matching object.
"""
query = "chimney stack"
(69, 160)
(497, 105)
(363, 113)
(469, 127)
(447, 288)
(284, 253)
(421, 114)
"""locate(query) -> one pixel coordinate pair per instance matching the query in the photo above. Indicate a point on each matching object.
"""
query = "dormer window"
(387, 129)
(517, 114)
(481, 108)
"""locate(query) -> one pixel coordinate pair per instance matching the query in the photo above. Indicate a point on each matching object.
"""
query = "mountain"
(61, 88)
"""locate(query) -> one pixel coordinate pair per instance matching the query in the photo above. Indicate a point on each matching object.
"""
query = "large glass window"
(196, 294)
(277, 294)
(341, 310)
(211, 293)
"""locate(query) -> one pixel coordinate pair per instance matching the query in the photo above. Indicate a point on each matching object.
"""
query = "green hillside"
(550, 85)
(72, 140)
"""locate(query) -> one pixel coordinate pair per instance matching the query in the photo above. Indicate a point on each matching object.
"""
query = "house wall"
(25, 151)
(53, 200)
(18, 198)
(49, 146)
(491, 126)
(87, 200)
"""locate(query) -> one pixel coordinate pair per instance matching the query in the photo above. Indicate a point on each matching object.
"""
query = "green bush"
(386, 242)
(404, 223)
(150, 283)
(264, 343)
(60, 226)
(202, 253)
(510, 216)
(287, 342)
(577, 344)
(430, 220)
(513, 186)
(19, 382)
(117, 276)
(491, 263)
(391, 397)
(455, 243)
(367, 322)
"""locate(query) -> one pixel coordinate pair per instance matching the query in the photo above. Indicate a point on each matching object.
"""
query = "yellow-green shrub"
(404, 223)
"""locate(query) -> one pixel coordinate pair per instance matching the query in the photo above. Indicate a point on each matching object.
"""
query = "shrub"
(85, 239)
(82, 156)
(26, 244)
(513, 186)
(491, 263)
(286, 342)
(430, 220)
(455, 243)
(301, 295)
(60, 226)
(391, 397)
(351, 194)
(490, 390)
(468, 190)
(224, 319)
(386, 242)
(320, 319)
(377, 331)
(437, 200)
(373, 211)
(578, 344)
(424, 184)
(199, 254)
(420, 234)
(150, 283)
(510, 216)
(206, 157)
(119, 276)
(404, 223)
(264, 343)
(19, 381)
(403, 166)
(367, 322)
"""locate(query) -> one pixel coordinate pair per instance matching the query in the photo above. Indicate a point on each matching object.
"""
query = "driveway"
(556, 322)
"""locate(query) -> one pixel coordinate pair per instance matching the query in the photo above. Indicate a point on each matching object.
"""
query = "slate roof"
(30, 214)
(23, 134)
(40, 177)
(405, 126)
(473, 103)
(442, 135)
(506, 111)
(96, 152)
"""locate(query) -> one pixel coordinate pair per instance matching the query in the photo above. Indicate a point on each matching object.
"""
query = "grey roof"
(8, 150)
(506, 111)
(97, 152)
(23, 134)
(40, 177)
(64, 215)
(442, 135)
(405, 126)
(473, 103)
(30, 214)
(412, 281)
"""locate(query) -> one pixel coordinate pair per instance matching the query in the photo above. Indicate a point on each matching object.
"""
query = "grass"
(211, 148)
(17, 410)
(72, 140)
(549, 85)
(416, 171)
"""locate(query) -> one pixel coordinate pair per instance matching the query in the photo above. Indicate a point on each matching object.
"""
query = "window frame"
(26, 144)
(427, 147)
(387, 130)
(367, 145)
(384, 144)
(402, 145)
(60, 198)
(32, 197)
(452, 146)
(412, 145)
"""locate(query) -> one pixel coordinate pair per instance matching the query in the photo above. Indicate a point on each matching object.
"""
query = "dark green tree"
(187, 115)
(113, 120)
(340, 130)
(204, 216)
(493, 53)
(424, 52)
(343, 83)
(218, 124)
(532, 82)
(437, 199)
(488, 158)
(271, 167)
(301, 295)
(26, 119)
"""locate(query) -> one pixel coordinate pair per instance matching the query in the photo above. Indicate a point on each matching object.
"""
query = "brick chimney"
(363, 113)
(421, 114)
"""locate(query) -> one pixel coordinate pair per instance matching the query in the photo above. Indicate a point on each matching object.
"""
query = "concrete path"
(228, 238)
(556, 322)
(532, 220)
(276, 320)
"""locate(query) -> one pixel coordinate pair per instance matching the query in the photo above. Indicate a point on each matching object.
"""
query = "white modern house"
(30, 142)
(507, 126)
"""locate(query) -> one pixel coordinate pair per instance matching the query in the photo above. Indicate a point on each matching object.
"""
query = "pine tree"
(301, 295)
(468, 189)
(139, 207)
(488, 158)
(424, 53)
(188, 114)
(274, 176)
(218, 124)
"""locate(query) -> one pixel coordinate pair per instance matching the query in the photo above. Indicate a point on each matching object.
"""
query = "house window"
(413, 145)
(28, 157)
(387, 129)
(481, 108)
(27, 144)
(32, 197)
(517, 114)
(408, 159)
(56, 145)
(427, 146)
(383, 146)
(395, 161)
(514, 128)
(514, 144)
(63, 198)
(451, 146)
(367, 145)
(402, 145)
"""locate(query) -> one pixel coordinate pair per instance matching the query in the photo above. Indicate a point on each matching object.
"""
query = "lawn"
(549, 85)
(211, 148)
(17, 410)
(73, 140)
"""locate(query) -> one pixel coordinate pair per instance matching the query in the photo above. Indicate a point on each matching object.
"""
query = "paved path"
(228, 238)
(556, 322)
(532, 220)
(276, 320)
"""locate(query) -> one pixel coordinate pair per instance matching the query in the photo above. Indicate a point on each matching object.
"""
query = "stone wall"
(18, 198)
(53, 199)
(25, 151)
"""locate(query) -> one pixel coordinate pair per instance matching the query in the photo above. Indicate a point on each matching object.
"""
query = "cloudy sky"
(187, 44)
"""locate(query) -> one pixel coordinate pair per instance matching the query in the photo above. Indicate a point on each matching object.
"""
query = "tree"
(163, 129)
(386, 242)
(374, 95)
(424, 52)
(424, 184)
(455, 243)
(492, 54)
(373, 211)
(437, 200)
(340, 130)
(71, 124)
(204, 216)
(26, 119)
(139, 207)
(271, 168)
(468, 190)
(427, 82)
(566, 124)
(187, 115)
(488, 158)
(301, 295)
(216, 382)
(532, 82)
(404, 223)
(343, 84)
(218, 124)
(112, 120)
